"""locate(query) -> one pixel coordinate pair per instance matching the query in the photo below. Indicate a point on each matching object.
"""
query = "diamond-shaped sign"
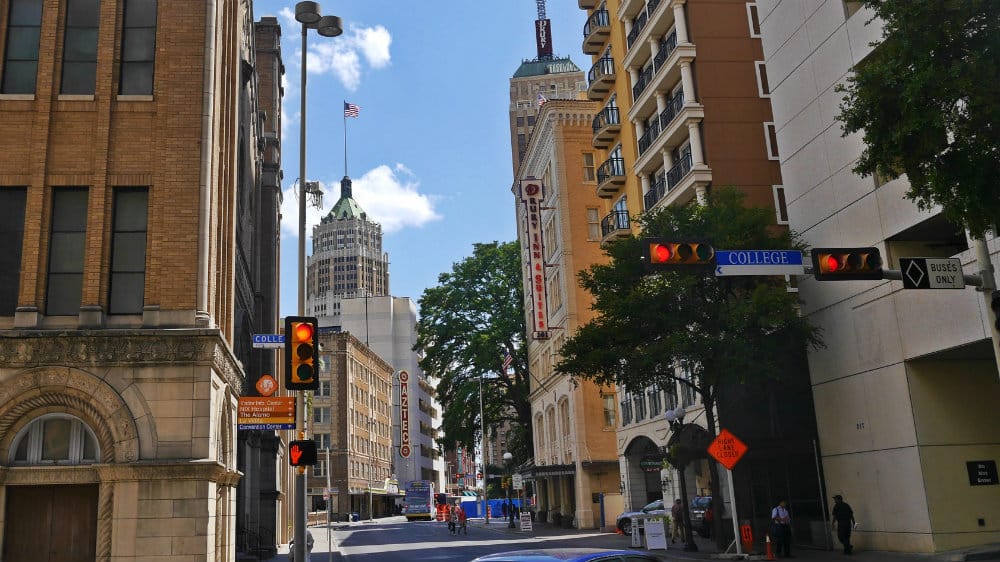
(727, 449)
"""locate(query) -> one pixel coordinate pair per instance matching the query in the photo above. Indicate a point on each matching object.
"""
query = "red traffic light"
(301, 348)
(303, 331)
(672, 254)
(842, 264)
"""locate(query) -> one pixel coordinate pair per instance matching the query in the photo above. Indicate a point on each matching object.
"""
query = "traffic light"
(302, 453)
(661, 254)
(995, 305)
(836, 264)
(301, 347)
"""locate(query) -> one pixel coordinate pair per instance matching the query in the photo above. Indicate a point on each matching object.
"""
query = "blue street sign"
(758, 262)
(268, 341)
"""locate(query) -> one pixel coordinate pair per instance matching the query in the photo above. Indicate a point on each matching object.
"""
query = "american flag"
(351, 110)
(541, 99)
(507, 360)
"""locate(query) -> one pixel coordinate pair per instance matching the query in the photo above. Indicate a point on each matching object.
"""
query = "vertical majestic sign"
(532, 193)
(543, 38)
(404, 415)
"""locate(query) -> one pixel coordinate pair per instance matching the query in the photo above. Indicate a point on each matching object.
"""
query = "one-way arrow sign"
(932, 273)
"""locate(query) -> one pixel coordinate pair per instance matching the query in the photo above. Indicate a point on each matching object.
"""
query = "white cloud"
(390, 196)
(342, 56)
(374, 44)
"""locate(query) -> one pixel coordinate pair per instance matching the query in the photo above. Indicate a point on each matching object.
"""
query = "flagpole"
(345, 138)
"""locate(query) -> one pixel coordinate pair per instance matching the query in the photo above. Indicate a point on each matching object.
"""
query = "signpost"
(758, 262)
(728, 450)
(269, 341)
(267, 413)
(932, 273)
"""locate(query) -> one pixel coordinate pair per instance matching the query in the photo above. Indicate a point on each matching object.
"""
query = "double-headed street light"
(308, 14)
(675, 418)
(507, 459)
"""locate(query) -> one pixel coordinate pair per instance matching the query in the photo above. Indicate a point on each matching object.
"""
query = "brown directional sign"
(727, 449)
(275, 412)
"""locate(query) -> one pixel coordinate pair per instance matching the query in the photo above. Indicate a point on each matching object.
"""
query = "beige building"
(575, 466)
(125, 168)
(906, 389)
(352, 417)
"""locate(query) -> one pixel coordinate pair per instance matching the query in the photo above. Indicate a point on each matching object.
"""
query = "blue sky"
(430, 153)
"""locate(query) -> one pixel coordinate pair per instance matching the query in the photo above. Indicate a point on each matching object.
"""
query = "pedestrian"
(843, 522)
(503, 508)
(462, 520)
(677, 514)
(781, 530)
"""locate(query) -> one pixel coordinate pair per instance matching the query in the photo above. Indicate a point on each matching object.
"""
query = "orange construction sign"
(727, 449)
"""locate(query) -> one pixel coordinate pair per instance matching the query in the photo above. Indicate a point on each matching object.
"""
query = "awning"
(553, 470)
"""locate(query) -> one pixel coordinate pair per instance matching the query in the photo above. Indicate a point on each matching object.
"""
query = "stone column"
(680, 22)
(697, 155)
(687, 82)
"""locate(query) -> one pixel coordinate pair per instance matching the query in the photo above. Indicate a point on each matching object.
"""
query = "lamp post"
(308, 14)
(675, 418)
(507, 457)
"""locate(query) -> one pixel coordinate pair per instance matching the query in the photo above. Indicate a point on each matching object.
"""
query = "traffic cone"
(618, 531)
(767, 541)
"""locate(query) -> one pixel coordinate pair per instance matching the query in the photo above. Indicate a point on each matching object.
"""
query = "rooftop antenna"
(315, 194)
(543, 35)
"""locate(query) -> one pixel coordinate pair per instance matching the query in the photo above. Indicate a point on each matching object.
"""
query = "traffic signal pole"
(989, 290)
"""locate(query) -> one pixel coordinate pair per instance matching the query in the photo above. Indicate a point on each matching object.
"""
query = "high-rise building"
(906, 388)
(129, 188)
(347, 260)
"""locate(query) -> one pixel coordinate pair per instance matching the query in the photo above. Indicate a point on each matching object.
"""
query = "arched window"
(55, 439)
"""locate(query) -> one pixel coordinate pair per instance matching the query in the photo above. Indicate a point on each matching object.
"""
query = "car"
(698, 506)
(625, 520)
(568, 555)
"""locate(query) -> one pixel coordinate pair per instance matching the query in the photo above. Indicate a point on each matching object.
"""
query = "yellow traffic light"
(301, 347)
(844, 264)
(672, 254)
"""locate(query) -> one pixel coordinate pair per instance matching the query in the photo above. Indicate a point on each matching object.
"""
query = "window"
(763, 88)
(593, 224)
(609, 409)
(626, 411)
(531, 120)
(588, 167)
(324, 386)
(520, 121)
(771, 137)
(319, 469)
(321, 415)
(322, 441)
(12, 233)
(655, 402)
(55, 439)
(670, 391)
(79, 64)
(20, 64)
(754, 19)
(128, 251)
(780, 206)
(69, 233)
(138, 48)
(640, 407)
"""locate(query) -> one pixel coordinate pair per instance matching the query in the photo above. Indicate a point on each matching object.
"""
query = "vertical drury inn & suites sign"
(404, 415)
(532, 193)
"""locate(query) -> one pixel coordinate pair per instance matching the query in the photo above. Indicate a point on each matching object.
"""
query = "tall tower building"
(543, 78)
(347, 260)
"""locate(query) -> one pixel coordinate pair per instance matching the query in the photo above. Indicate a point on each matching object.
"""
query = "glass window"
(20, 65)
(12, 233)
(79, 64)
(68, 237)
(128, 251)
(609, 409)
(593, 224)
(588, 167)
(138, 47)
(55, 439)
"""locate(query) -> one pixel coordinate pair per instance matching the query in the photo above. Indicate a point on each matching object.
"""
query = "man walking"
(677, 514)
(843, 521)
(782, 530)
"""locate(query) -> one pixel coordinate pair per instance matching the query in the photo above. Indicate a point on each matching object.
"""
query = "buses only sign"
(727, 449)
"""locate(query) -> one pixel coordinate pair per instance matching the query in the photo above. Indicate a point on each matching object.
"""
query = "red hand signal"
(295, 453)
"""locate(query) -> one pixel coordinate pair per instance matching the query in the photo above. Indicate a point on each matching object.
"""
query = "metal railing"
(645, 78)
(612, 167)
(649, 135)
(637, 27)
(607, 116)
(614, 221)
(599, 19)
(680, 169)
(667, 46)
(605, 66)
(674, 107)
(655, 193)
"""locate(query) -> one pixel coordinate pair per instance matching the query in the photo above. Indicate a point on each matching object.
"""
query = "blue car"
(568, 555)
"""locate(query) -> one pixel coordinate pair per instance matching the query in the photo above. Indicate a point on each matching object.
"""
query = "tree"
(689, 326)
(927, 100)
(467, 324)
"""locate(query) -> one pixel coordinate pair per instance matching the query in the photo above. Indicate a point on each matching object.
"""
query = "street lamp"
(507, 457)
(308, 14)
(675, 418)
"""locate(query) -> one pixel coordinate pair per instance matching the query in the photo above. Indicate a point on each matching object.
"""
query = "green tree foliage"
(927, 100)
(467, 322)
(721, 330)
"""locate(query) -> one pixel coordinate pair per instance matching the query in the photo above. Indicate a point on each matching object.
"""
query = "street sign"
(727, 449)
(518, 482)
(266, 385)
(932, 273)
(758, 262)
(268, 341)
(267, 413)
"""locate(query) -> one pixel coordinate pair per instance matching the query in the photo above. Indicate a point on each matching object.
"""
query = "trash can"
(355, 516)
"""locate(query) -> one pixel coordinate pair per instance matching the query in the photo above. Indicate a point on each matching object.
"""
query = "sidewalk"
(707, 549)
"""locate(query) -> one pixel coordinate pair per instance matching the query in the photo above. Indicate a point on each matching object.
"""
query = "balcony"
(596, 32)
(586, 4)
(637, 25)
(681, 184)
(607, 123)
(615, 225)
(610, 177)
(601, 78)
(645, 78)
(647, 138)
(655, 193)
(662, 122)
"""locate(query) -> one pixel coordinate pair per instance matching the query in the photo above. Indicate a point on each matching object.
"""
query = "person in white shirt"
(781, 530)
